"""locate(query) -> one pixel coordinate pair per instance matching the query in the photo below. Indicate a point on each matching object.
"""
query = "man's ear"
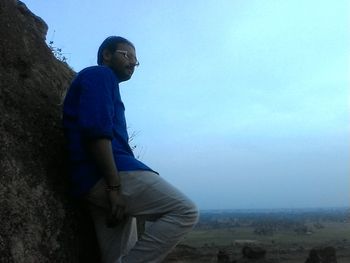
(107, 56)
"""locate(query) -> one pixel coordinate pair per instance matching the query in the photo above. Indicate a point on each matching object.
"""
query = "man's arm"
(102, 153)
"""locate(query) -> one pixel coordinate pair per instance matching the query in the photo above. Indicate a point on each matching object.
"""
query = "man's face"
(122, 61)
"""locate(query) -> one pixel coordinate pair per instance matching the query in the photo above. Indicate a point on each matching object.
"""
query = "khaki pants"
(147, 195)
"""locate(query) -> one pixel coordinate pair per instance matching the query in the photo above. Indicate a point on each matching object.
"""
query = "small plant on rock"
(57, 52)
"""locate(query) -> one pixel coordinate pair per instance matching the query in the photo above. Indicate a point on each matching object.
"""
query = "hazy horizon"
(277, 209)
(240, 104)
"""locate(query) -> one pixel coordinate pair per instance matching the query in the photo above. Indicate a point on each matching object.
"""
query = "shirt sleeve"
(96, 109)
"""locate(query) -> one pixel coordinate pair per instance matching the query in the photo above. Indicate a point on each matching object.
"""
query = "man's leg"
(149, 196)
(175, 215)
(113, 241)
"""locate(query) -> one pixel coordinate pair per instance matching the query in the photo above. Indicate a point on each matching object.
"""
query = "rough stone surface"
(38, 222)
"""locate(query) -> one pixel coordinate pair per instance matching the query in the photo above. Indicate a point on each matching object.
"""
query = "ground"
(291, 237)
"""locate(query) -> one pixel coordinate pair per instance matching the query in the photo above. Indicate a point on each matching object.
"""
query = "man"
(104, 171)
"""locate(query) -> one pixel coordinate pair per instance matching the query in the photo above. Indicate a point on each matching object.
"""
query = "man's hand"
(102, 153)
(117, 204)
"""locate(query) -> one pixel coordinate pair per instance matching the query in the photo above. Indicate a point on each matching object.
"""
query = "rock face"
(37, 219)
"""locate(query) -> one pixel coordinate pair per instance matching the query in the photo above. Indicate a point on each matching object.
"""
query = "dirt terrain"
(287, 236)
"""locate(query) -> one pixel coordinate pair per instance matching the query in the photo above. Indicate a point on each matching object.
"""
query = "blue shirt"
(93, 109)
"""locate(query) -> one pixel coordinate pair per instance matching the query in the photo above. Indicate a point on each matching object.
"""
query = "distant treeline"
(232, 218)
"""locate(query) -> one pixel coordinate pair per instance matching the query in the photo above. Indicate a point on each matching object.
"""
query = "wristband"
(110, 188)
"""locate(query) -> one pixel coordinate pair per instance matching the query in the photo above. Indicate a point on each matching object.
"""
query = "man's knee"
(190, 213)
(195, 213)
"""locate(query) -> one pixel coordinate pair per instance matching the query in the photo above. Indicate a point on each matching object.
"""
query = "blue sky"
(241, 104)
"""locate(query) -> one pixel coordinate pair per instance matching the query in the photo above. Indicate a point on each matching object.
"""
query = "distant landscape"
(287, 235)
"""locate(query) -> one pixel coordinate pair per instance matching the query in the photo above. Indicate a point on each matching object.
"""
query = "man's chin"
(123, 77)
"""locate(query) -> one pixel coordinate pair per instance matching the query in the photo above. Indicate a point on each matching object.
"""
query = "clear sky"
(241, 104)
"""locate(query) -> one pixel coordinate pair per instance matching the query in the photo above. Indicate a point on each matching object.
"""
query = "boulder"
(223, 257)
(322, 255)
(39, 222)
(253, 252)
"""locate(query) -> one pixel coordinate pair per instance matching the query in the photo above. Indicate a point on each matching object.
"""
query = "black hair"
(111, 43)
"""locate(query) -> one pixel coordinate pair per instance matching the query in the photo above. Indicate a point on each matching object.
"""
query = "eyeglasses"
(125, 53)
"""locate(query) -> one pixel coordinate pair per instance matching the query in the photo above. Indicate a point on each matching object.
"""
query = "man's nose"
(133, 61)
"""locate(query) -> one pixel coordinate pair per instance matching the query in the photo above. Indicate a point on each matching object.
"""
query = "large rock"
(37, 219)
(253, 252)
(322, 255)
(256, 254)
(223, 257)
